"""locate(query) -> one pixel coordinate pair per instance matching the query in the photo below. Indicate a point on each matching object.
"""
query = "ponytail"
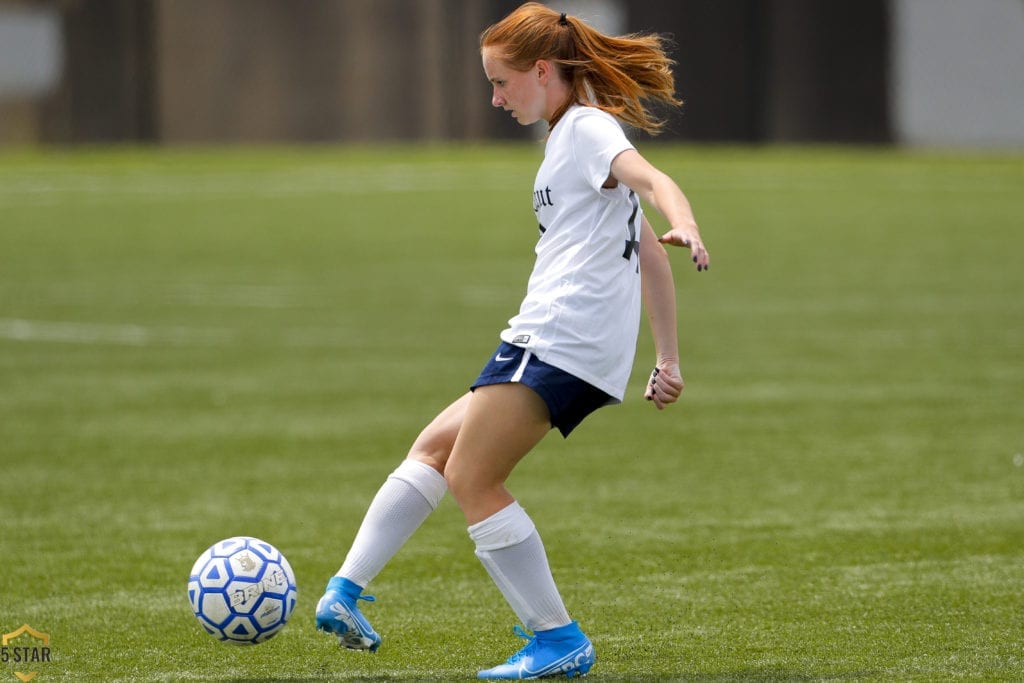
(617, 74)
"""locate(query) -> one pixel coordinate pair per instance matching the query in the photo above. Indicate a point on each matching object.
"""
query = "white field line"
(20, 330)
(21, 188)
(16, 329)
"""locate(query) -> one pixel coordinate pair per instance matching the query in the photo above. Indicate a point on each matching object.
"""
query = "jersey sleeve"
(596, 140)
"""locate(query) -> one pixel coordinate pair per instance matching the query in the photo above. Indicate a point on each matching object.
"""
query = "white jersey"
(581, 313)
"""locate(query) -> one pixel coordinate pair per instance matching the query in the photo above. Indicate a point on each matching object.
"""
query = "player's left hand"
(665, 385)
(689, 236)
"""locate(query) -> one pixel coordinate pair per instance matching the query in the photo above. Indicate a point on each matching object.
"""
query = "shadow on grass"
(744, 676)
(741, 676)
(402, 678)
(388, 678)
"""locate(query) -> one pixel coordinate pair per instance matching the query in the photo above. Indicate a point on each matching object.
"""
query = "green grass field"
(200, 344)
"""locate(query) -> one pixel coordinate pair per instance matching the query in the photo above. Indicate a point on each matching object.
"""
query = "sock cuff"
(429, 482)
(506, 527)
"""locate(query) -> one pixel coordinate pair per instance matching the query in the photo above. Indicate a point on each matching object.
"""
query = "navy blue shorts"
(569, 399)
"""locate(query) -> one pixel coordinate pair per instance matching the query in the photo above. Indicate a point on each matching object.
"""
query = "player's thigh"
(502, 423)
(435, 442)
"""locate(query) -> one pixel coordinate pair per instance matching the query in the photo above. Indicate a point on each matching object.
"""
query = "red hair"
(616, 74)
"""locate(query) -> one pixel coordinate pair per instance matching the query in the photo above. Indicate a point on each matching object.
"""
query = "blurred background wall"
(924, 72)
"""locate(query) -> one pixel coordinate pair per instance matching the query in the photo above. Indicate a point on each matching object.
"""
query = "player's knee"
(462, 487)
(469, 486)
(432, 449)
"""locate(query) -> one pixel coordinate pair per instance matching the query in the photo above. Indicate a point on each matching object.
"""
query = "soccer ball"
(242, 590)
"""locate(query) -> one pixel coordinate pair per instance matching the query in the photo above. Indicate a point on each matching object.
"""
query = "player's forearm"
(666, 196)
(659, 295)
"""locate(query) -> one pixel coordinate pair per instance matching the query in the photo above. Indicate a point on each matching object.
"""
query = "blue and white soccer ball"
(242, 590)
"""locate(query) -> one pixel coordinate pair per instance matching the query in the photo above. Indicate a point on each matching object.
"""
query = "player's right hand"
(665, 386)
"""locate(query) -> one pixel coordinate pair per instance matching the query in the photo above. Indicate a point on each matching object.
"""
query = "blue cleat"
(562, 651)
(338, 613)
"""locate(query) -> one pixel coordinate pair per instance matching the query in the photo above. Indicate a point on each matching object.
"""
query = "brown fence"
(216, 71)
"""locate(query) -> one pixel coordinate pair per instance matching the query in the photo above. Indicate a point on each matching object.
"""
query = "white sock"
(510, 548)
(406, 498)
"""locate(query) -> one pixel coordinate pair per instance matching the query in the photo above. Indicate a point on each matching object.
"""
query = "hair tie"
(562, 20)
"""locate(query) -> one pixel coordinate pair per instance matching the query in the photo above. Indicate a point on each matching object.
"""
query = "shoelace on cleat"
(521, 632)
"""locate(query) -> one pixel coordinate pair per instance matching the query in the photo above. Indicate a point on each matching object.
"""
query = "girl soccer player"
(570, 348)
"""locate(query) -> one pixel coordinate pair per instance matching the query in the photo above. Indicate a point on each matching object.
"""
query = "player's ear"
(543, 70)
